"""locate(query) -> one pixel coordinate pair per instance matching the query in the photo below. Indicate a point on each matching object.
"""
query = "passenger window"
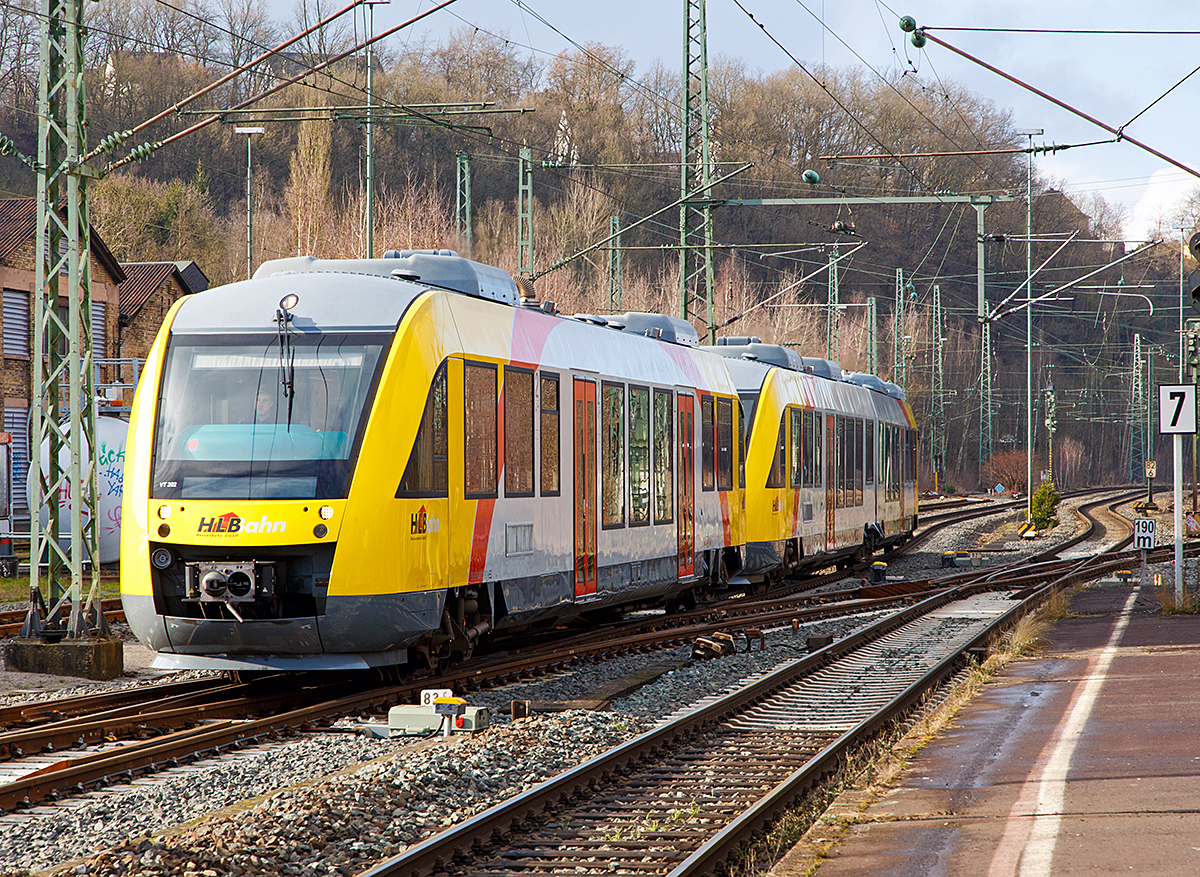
(639, 455)
(724, 444)
(550, 442)
(427, 471)
(664, 458)
(775, 476)
(798, 424)
(479, 415)
(518, 432)
(708, 475)
(612, 426)
(870, 452)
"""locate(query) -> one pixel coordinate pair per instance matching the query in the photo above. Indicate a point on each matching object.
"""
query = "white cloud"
(1163, 194)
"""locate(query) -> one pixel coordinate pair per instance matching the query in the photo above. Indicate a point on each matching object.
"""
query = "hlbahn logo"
(231, 523)
(423, 523)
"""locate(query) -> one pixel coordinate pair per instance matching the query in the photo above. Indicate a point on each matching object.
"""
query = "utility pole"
(249, 132)
(695, 217)
(525, 212)
(370, 129)
(1030, 133)
(937, 419)
(462, 200)
(614, 265)
(62, 354)
(833, 342)
(872, 341)
(900, 347)
(985, 394)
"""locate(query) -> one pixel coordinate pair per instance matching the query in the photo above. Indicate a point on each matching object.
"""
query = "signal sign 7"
(1177, 409)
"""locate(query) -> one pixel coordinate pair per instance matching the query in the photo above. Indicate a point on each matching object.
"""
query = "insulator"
(908, 24)
(6, 146)
(918, 39)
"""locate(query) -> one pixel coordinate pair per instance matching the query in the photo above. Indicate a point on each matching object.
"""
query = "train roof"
(441, 268)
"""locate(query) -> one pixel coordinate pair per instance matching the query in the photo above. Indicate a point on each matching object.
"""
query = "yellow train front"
(352, 464)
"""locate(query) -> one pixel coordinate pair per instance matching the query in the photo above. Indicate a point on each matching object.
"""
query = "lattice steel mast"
(695, 216)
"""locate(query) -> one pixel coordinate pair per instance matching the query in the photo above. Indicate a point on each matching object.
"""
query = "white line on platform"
(1031, 832)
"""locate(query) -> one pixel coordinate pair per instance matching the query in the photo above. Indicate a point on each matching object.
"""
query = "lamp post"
(370, 124)
(249, 132)
(1030, 133)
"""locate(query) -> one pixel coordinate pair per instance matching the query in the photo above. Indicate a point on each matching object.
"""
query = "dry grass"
(1189, 605)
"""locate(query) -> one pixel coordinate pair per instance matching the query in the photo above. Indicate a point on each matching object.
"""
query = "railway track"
(210, 715)
(681, 798)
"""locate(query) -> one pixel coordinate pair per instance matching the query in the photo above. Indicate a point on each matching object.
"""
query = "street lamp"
(249, 196)
(370, 205)
(1030, 133)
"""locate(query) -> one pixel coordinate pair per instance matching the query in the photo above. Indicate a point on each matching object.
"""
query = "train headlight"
(164, 511)
(289, 301)
(320, 531)
(162, 558)
(326, 512)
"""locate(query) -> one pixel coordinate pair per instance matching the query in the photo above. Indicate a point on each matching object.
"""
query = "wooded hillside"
(606, 141)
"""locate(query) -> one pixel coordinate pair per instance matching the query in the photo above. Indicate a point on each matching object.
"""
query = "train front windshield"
(240, 419)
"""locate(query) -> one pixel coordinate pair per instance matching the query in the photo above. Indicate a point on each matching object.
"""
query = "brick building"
(128, 304)
(146, 294)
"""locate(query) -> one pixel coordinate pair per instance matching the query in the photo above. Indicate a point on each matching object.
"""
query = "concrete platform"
(1083, 760)
(93, 658)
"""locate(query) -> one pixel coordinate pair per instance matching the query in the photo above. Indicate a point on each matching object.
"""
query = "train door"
(687, 486)
(585, 487)
(830, 478)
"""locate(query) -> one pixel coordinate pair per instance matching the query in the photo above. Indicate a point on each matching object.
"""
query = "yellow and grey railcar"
(346, 464)
(830, 463)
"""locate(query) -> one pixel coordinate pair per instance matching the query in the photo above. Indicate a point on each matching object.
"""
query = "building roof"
(143, 279)
(18, 224)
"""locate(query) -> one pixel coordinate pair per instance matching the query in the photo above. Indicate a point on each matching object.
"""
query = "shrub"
(1045, 502)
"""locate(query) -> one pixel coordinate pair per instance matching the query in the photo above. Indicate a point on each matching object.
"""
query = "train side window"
(818, 449)
(724, 444)
(479, 415)
(859, 442)
(550, 441)
(612, 460)
(741, 433)
(798, 473)
(427, 472)
(839, 460)
(779, 462)
(518, 432)
(664, 458)
(639, 455)
(870, 453)
(708, 478)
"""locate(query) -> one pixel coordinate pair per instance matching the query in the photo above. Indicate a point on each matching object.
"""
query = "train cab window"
(550, 442)
(797, 468)
(518, 432)
(639, 455)
(724, 444)
(479, 416)
(869, 462)
(779, 461)
(237, 421)
(612, 459)
(427, 472)
(708, 478)
(664, 458)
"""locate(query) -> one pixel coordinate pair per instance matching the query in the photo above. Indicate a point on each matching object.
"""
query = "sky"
(1112, 77)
